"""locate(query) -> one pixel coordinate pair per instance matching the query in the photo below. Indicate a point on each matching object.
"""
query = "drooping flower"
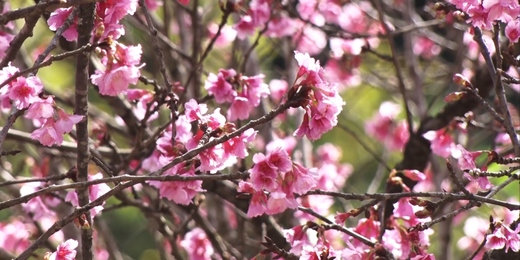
(47, 134)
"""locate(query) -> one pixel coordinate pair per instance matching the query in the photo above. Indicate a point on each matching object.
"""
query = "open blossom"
(503, 236)
(466, 161)
(65, 251)
(197, 245)
(24, 91)
(441, 142)
(512, 30)
(56, 20)
(220, 87)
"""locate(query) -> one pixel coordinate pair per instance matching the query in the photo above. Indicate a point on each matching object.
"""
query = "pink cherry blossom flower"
(24, 91)
(42, 108)
(281, 26)
(66, 122)
(279, 202)
(258, 203)
(47, 134)
(254, 89)
(113, 11)
(239, 109)
(195, 111)
(425, 47)
(503, 236)
(310, 40)
(35, 206)
(57, 19)
(14, 236)
(219, 87)
(441, 142)
(226, 37)
(300, 179)
(263, 175)
(197, 245)
(423, 257)
(502, 10)
(237, 146)
(256, 17)
(116, 80)
(279, 160)
(320, 99)
(177, 191)
(65, 251)
(122, 69)
(479, 17)
(297, 237)
(466, 159)
(512, 30)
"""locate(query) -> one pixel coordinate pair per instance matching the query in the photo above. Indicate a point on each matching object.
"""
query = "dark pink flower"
(512, 30)
(25, 91)
(300, 179)
(279, 160)
(263, 175)
(278, 88)
(197, 245)
(65, 251)
(184, 2)
(441, 142)
(180, 192)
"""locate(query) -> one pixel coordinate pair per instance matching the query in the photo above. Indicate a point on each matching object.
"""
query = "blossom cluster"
(274, 180)
(25, 93)
(244, 93)
(213, 159)
(121, 63)
(484, 14)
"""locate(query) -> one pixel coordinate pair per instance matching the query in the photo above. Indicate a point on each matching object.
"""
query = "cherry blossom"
(65, 251)
(48, 135)
(197, 245)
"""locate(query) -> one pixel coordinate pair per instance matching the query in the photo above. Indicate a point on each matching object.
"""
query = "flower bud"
(461, 80)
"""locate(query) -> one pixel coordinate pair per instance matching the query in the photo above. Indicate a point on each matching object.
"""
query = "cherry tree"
(261, 129)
